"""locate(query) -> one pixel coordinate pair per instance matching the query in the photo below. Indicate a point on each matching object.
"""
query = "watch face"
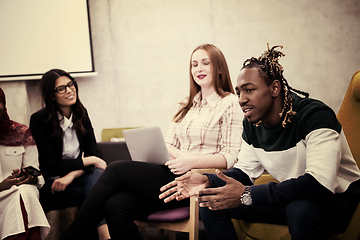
(246, 200)
(246, 197)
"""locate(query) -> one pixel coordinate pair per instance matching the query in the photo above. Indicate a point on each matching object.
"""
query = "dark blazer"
(50, 149)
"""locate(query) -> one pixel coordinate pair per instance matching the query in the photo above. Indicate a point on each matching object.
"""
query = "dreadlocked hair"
(270, 69)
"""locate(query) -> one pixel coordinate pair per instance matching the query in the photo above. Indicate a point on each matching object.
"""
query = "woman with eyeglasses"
(68, 155)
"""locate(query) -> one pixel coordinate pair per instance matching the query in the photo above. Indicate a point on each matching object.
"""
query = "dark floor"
(153, 234)
(67, 215)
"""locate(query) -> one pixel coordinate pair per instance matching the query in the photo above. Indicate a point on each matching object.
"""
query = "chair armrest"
(207, 170)
(194, 206)
(264, 179)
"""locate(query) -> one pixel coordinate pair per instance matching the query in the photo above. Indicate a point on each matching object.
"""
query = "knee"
(299, 211)
(110, 206)
(301, 216)
(94, 176)
(218, 224)
(119, 207)
(114, 169)
(208, 215)
(98, 171)
(205, 213)
(117, 167)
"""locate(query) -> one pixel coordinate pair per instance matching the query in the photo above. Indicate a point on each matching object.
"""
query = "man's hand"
(224, 197)
(183, 187)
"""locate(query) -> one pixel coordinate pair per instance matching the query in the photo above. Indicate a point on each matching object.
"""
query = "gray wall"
(142, 50)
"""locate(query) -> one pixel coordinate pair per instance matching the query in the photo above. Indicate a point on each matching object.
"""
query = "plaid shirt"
(212, 126)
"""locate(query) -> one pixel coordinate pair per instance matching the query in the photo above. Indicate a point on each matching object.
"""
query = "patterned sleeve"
(231, 130)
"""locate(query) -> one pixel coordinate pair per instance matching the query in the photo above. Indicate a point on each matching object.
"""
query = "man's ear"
(275, 88)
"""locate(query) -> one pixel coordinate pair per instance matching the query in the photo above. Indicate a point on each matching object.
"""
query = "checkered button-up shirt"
(213, 125)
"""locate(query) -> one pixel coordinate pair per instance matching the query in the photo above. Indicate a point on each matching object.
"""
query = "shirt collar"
(211, 100)
(65, 122)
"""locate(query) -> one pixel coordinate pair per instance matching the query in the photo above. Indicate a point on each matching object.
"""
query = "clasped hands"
(23, 177)
(191, 184)
(17, 178)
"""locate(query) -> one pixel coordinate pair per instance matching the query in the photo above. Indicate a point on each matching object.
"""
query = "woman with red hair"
(204, 133)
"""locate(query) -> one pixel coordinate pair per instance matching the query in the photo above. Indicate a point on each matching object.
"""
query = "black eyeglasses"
(62, 89)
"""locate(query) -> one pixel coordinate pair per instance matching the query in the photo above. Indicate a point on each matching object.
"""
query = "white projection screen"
(38, 35)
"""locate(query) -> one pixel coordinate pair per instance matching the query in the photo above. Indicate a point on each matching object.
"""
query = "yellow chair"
(108, 133)
(349, 117)
(189, 225)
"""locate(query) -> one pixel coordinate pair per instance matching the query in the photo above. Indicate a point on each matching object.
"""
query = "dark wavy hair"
(270, 69)
(47, 88)
(221, 79)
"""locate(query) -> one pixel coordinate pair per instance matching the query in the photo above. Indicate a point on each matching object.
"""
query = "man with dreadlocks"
(300, 142)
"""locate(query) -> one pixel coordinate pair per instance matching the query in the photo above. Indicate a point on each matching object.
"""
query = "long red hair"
(221, 78)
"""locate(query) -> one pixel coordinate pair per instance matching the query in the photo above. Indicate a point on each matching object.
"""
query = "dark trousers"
(306, 219)
(74, 194)
(126, 191)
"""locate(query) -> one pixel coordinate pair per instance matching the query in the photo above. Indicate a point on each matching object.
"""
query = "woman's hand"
(16, 178)
(97, 162)
(60, 184)
(181, 161)
(180, 165)
(24, 177)
(183, 187)
(30, 179)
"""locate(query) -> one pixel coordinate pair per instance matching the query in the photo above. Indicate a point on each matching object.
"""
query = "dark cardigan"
(50, 149)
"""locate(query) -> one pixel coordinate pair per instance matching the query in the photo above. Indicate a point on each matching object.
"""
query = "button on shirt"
(71, 146)
(213, 125)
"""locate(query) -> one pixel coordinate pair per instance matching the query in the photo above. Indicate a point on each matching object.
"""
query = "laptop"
(147, 145)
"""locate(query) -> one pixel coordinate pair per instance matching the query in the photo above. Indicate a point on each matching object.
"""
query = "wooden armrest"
(206, 170)
(264, 179)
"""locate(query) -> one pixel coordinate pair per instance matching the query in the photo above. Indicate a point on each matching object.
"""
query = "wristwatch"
(245, 198)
